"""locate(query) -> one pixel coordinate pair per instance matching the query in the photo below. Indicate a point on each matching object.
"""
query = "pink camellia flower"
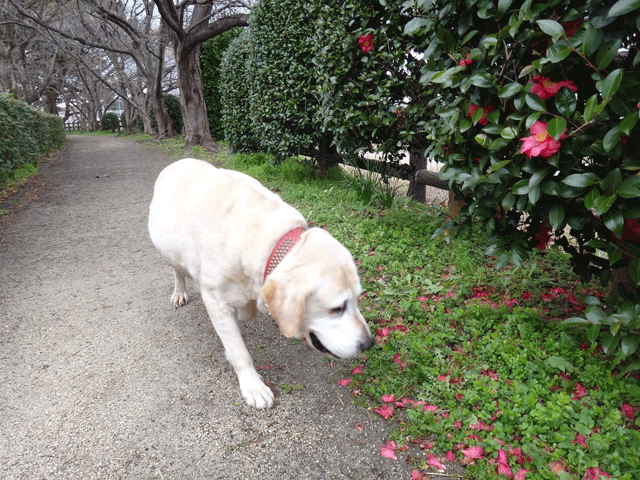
(546, 89)
(466, 61)
(485, 110)
(366, 42)
(540, 144)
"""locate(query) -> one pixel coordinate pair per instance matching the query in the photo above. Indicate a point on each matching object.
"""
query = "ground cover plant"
(472, 366)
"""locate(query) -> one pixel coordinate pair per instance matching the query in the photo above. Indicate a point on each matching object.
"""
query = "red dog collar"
(284, 246)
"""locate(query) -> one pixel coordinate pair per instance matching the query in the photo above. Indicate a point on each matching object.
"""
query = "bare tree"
(121, 30)
(193, 22)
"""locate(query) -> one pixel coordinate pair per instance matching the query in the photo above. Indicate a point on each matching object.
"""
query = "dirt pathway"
(101, 378)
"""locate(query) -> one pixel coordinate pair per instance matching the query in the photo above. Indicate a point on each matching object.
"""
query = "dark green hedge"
(27, 134)
(210, 60)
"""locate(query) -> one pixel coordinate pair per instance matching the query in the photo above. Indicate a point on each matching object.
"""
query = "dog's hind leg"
(253, 389)
(179, 297)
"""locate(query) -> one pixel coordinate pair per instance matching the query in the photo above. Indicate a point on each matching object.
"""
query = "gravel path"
(101, 378)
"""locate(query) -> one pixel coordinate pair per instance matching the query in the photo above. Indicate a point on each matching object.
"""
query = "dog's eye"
(338, 310)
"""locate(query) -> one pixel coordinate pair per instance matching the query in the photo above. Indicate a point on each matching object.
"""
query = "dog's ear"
(286, 303)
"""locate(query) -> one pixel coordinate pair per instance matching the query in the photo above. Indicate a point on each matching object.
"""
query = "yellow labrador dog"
(245, 247)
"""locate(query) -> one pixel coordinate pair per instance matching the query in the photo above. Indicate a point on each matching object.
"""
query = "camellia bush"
(368, 73)
(535, 117)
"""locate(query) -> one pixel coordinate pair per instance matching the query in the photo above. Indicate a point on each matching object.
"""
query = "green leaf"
(590, 108)
(521, 187)
(629, 344)
(614, 221)
(558, 52)
(581, 180)
(556, 216)
(560, 363)
(465, 124)
(609, 342)
(508, 133)
(611, 84)
(630, 187)
(590, 198)
(415, 24)
(550, 27)
(595, 314)
(622, 7)
(603, 204)
(607, 52)
(611, 181)
(634, 270)
(556, 127)
(509, 90)
(537, 177)
(535, 102)
(628, 122)
(566, 102)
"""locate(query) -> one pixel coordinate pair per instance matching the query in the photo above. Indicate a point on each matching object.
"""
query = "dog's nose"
(367, 345)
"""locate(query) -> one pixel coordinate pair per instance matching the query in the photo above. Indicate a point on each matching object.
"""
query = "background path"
(101, 378)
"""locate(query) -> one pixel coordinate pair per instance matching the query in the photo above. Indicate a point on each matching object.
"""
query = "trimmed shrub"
(210, 60)
(28, 134)
(238, 127)
(110, 122)
(282, 105)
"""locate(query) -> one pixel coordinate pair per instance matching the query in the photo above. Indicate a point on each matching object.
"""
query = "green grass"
(468, 356)
(12, 182)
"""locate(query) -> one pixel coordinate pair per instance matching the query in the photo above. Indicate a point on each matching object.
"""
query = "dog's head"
(313, 293)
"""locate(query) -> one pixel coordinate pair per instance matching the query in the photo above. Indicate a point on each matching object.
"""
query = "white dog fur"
(219, 228)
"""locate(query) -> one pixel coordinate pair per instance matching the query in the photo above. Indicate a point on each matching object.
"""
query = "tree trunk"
(192, 103)
(431, 179)
(166, 129)
(417, 191)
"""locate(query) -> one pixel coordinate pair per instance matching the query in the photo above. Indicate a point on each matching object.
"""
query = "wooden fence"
(72, 126)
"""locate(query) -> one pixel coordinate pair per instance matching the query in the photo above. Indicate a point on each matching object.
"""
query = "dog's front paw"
(256, 393)
(179, 299)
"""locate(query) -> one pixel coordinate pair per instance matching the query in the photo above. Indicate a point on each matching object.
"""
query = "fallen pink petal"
(521, 474)
(474, 452)
(344, 382)
(389, 398)
(356, 370)
(385, 411)
(433, 462)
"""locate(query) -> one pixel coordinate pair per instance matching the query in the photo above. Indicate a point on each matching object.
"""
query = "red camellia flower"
(485, 110)
(546, 89)
(540, 144)
(543, 236)
(366, 42)
(466, 61)
(571, 27)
